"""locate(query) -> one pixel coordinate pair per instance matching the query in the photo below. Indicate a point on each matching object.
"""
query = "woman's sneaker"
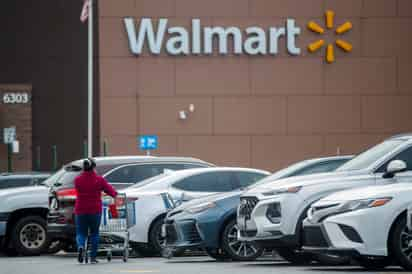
(94, 261)
(80, 256)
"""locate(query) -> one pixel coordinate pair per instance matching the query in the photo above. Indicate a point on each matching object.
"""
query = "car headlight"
(366, 203)
(201, 207)
(294, 189)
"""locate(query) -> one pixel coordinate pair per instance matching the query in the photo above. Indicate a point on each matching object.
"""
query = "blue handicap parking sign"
(148, 142)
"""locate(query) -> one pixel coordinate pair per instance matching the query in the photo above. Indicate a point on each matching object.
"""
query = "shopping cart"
(118, 215)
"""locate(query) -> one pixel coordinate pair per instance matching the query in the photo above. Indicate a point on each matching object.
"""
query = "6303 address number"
(16, 98)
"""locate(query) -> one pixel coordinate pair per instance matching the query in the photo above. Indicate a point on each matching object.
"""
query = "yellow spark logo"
(330, 51)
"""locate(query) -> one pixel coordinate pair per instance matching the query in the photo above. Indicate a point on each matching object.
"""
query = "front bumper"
(362, 232)
(182, 234)
(316, 241)
(260, 229)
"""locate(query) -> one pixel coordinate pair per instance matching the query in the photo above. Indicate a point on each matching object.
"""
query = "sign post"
(148, 143)
(9, 137)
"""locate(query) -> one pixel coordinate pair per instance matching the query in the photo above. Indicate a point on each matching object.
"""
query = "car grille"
(313, 236)
(247, 204)
(190, 232)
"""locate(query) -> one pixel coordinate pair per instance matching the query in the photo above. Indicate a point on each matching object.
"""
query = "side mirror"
(395, 166)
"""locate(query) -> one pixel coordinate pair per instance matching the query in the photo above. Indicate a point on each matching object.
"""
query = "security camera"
(192, 108)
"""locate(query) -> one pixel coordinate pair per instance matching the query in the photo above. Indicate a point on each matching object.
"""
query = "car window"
(370, 156)
(319, 168)
(208, 182)
(245, 179)
(138, 173)
(15, 182)
(39, 180)
(405, 156)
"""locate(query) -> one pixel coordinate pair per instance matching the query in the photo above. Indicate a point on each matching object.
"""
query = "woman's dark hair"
(89, 164)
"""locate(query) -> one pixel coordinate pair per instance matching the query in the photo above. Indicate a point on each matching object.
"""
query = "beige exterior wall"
(261, 111)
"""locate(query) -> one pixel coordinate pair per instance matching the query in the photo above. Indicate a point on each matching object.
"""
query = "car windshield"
(370, 156)
(52, 179)
(65, 175)
(283, 173)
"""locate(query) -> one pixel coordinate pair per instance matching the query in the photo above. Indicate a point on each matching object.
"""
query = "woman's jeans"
(88, 225)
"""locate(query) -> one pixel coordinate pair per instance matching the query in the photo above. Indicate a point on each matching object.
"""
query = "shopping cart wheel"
(126, 255)
(109, 256)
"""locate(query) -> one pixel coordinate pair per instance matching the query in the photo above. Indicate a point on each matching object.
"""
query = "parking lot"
(64, 263)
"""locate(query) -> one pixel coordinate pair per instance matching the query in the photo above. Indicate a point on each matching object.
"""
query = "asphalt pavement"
(66, 264)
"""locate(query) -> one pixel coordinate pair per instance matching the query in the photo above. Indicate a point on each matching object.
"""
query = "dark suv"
(121, 172)
(22, 179)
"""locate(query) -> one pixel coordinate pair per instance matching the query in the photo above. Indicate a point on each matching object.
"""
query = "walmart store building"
(257, 83)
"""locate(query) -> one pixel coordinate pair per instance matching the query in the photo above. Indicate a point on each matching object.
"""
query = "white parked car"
(272, 214)
(368, 224)
(155, 197)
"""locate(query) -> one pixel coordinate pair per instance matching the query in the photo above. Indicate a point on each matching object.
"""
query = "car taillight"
(66, 194)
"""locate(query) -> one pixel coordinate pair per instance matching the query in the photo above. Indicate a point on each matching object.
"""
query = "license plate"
(163, 232)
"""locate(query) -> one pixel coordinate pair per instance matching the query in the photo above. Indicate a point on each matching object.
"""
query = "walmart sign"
(199, 40)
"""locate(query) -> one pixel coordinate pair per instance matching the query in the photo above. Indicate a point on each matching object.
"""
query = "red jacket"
(89, 187)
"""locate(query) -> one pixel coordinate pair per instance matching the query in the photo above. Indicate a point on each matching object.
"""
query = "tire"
(156, 242)
(237, 250)
(29, 237)
(295, 256)
(219, 255)
(373, 264)
(55, 247)
(69, 247)
(399, 240)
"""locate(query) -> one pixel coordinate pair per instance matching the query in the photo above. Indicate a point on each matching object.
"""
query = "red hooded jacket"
(89, 187)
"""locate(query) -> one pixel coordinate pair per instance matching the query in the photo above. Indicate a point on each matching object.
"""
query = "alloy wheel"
(32, 236)
(406, 243)
(240, 248)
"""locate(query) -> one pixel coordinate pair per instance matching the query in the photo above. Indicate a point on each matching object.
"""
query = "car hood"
(306, 180)
(368, 193)
(22, 190)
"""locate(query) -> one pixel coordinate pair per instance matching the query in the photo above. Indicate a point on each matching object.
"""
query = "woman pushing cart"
(88, 209)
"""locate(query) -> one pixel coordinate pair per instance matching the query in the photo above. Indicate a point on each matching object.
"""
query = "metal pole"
(90, 81)
(9, 158)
